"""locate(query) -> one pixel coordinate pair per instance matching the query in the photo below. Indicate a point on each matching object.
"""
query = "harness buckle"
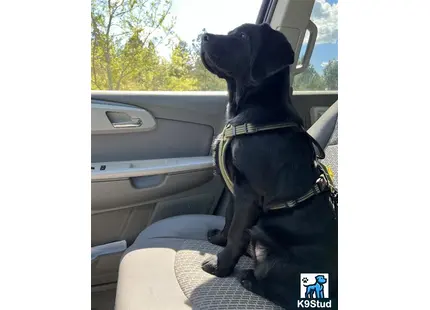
(322, 183)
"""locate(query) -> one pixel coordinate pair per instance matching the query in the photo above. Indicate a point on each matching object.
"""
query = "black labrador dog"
(267, 168)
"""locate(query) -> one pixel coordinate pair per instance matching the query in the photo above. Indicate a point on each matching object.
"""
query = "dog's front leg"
(219, 237)
(245, 215)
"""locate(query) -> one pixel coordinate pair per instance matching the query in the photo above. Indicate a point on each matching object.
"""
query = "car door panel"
(106, 194)
(188, 106)
(142, 175)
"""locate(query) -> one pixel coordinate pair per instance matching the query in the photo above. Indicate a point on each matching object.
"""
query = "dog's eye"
(243, 35)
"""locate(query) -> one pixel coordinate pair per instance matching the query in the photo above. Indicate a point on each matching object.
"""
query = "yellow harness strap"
(231, 131)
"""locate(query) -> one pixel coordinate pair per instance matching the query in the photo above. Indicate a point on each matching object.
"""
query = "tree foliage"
(124, 37)
(125, 40)
(330, 75)
(309, 80)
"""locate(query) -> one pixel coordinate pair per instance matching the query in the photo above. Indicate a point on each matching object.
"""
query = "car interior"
(154, 194)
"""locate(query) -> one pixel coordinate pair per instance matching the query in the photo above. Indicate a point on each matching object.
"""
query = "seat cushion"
(209, 292)
(161, 270)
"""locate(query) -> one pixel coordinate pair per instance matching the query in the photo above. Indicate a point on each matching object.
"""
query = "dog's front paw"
(212, 266)
(215, 236)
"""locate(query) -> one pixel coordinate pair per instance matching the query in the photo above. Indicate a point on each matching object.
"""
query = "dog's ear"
(273, 55)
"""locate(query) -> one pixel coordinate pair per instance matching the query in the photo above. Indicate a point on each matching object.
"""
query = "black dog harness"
(322, 184)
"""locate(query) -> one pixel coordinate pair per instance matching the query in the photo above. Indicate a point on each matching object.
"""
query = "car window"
(154, 44)
(322, 73)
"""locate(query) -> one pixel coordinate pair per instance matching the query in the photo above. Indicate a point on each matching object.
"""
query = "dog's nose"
(205, 37)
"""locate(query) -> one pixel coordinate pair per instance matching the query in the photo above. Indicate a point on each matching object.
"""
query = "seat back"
(324, 130)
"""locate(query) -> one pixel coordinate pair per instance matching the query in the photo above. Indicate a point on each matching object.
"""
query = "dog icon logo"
(314, 285)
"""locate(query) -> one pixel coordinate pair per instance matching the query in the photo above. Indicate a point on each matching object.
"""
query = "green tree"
(124, 36)
(330, 74)
(309, 80)
(180, 67)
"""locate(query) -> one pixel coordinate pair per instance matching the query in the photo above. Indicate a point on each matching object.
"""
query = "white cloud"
(324, 15)
(324, 64)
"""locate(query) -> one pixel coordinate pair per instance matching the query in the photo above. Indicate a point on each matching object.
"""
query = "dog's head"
(320, 279)
(250, 53)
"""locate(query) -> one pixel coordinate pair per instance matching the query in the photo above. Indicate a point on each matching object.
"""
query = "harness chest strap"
(231, 131)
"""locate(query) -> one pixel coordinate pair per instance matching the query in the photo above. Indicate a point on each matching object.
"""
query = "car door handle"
(128, 124)
(113, 118)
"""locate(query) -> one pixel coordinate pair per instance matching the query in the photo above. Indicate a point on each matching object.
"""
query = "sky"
(194, 15)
